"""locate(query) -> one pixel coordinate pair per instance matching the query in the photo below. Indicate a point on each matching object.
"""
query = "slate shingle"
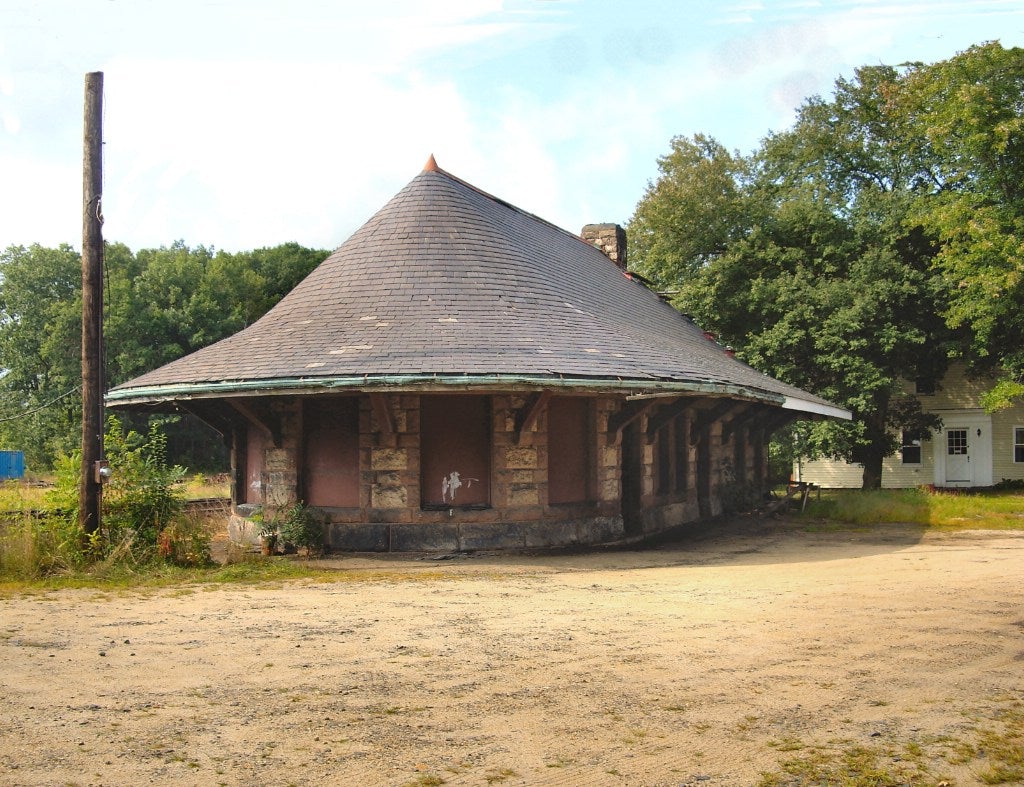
(447, 280)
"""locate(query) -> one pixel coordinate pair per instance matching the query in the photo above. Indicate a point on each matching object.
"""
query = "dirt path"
(708, 661)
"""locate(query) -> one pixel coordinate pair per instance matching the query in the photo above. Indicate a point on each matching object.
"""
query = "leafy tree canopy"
(160, 304)
(878, 237)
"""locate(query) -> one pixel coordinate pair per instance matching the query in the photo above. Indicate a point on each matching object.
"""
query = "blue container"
(12, 464)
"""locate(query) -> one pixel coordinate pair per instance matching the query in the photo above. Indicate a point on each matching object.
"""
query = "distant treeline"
(159, 304)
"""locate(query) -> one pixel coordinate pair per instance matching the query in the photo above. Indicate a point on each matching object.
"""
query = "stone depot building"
(461, 374)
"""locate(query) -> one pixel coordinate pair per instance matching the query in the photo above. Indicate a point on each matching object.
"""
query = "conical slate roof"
(449, 284)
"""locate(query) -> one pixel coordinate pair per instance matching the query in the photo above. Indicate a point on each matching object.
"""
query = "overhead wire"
(41, 407)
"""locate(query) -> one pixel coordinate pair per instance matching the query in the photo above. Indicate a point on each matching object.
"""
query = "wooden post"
(92, 307)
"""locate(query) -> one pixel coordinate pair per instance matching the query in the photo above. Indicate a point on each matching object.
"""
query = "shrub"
(142, 497)
(185, 542)
(139, 503)
(303, 526)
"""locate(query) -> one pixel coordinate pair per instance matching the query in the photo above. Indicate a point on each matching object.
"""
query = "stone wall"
(390, 516)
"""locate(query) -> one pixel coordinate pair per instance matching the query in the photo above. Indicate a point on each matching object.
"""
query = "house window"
(911, 448)
(455, 451)
(331, 452)
(1018, 444)
(924, 386)
(956, 442)
(569, 450)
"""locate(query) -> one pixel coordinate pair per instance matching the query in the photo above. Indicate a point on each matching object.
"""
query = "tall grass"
(32, 542)
(947, 510)
(144, 520)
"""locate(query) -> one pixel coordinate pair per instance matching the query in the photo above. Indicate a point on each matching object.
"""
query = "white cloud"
(259, 153)
(300, 122)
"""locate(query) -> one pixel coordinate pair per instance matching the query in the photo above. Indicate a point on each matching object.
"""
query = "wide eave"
(449, 288)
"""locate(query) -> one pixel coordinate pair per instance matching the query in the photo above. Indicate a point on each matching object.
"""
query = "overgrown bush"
(303, 526)
(143, 517)
(185, 542)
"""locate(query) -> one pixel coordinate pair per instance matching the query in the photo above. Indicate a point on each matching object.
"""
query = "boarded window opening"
(331, 452)
(455, 451)
(569, 450)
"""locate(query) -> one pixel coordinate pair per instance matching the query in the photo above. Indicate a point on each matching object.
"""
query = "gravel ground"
(712, 660)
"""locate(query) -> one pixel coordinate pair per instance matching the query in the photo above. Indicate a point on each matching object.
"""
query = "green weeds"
(993, 751)
(998, 510)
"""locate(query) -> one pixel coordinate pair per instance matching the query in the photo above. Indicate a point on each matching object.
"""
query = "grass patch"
(201, 487)
(1003, 748)
(30, 493)
(254, 570)
(993, 510)
(426, 780)
(994, 751)
(852, 766)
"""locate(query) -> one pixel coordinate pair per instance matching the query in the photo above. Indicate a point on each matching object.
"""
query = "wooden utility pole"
(92, 307)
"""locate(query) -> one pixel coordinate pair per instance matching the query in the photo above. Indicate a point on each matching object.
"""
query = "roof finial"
(431, 165)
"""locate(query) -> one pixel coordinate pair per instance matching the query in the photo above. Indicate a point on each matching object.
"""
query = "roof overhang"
(426, 383)
(816, 408)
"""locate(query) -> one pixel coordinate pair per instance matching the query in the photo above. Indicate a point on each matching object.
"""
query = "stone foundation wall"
(390, 517)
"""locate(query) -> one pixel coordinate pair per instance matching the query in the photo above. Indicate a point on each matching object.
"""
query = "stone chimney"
(609, 238)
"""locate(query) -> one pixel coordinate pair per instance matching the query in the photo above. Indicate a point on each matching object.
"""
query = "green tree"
(967, 115)
(822, 279)
(40, 350)
(691, 214)
(159, 305)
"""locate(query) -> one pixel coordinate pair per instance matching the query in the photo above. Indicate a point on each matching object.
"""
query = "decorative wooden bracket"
(751, 416)
(271, 427)
(624, 417)
(737, 420)
(213, 415)
(382, 410)
(668, 412)
(526, 416)
(777, 420)
(707, 417)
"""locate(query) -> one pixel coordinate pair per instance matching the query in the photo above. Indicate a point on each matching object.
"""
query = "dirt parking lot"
(754, 648)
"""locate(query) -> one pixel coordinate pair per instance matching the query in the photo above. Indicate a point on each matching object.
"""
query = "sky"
(239, 124)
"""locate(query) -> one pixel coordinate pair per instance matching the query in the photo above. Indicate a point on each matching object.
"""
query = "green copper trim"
(420, 382)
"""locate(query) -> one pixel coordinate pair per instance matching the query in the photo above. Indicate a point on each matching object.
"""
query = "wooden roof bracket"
(381, 409)
(624, 417)
(705, 418)
(218, 421)
(526, 416)
(668, 412)
(741, 420)
(735, 419)
(778, 420)
(271, 427)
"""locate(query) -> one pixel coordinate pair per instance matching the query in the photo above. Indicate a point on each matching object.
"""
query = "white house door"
(964, 456)
(958, 458)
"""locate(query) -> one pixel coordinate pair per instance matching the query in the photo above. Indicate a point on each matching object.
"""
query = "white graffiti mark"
(451, 483)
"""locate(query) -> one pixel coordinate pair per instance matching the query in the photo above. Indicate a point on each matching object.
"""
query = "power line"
(41, 407)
